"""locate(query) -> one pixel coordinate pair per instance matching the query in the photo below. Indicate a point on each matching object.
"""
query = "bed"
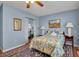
(51, 45)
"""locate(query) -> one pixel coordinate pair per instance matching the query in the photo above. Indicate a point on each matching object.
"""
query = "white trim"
(13, 47)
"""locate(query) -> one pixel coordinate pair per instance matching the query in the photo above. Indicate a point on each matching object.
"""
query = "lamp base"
(69, 31)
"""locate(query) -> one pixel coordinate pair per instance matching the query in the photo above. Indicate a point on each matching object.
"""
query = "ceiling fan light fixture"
(32, 1)
(27, 1)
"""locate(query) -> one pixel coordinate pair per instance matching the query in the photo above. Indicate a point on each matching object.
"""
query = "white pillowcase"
(53, 34)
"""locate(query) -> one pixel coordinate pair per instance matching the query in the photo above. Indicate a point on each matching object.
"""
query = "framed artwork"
(54, 23)
(17, 24)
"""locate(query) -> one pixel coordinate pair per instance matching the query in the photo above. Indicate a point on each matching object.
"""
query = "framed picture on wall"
(17, 24)
(54, 23)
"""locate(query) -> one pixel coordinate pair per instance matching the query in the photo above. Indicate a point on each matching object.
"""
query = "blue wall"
(1, 28)
(65, 17)
(12, 39)
(78, 26)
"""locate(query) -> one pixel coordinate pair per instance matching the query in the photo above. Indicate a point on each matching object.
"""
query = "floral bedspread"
(48, 44)
(59, 51)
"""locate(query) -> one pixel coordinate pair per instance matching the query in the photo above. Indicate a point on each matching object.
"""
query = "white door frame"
(26, 29)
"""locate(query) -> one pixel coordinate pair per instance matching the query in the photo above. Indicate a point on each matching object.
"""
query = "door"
(31, 27)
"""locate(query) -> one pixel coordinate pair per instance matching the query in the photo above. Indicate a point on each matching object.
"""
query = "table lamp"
(43, 29)
(69, 26)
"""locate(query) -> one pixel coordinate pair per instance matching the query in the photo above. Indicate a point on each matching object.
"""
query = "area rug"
(29, 53)
(24, 51)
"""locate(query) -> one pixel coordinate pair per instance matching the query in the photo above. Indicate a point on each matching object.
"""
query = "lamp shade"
(29, 26)
(69, 24)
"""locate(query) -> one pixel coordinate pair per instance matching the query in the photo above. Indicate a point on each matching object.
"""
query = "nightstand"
(69, 39)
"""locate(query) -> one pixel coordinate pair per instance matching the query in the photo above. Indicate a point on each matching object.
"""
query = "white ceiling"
(50, 7)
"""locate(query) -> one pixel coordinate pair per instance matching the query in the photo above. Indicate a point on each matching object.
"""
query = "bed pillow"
(48, 33)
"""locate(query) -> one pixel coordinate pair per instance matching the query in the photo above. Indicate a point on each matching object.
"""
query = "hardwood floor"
(13, 51)
(19, 49)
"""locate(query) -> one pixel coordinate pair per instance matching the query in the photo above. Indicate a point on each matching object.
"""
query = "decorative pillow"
(54, 34)
(58, 32)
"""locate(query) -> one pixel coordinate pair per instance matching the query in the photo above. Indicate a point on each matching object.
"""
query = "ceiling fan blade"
(28, 4)
(39, 3)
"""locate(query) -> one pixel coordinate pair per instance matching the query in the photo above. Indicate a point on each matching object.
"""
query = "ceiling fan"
(29, 3)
